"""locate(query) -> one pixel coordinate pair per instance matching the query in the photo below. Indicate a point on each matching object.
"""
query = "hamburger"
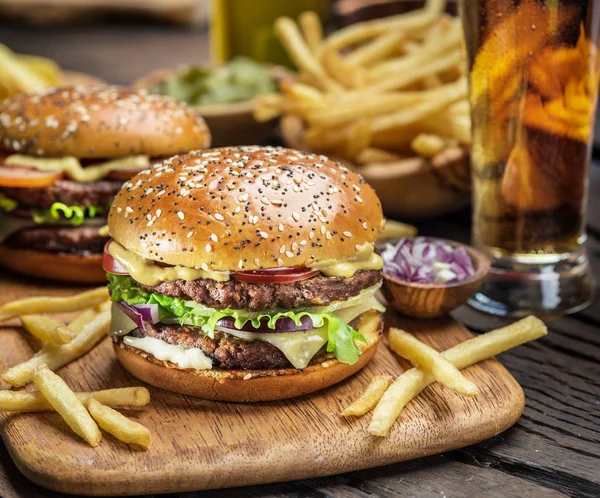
(64, 154)
(244, 273)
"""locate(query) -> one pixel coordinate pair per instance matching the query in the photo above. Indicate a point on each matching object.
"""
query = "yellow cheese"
(73, 169)
(147, 272)
(298, 347)
(161, 350)
(365, 259)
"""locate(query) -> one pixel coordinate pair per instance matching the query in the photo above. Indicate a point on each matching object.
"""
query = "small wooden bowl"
(419, 300)
(229, 124)
(414, 188)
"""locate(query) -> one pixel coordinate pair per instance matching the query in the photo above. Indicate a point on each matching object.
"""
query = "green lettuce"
(76, 215)
(6, 203)
(340, 335)
(59, 211)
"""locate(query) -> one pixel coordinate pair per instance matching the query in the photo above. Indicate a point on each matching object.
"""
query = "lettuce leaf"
(340, 335)
(7, 204)
(59, 211)
(76, 215)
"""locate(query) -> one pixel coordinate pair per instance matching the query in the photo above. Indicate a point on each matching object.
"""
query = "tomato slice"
(21, 177)
(109, 264)
(275, 275)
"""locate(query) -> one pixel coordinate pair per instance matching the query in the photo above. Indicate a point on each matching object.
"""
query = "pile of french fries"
(388, 397)
(376, 91)
(25, 73)
(84, 412)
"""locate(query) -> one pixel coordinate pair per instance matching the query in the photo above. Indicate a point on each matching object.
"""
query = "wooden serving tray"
(199, 444)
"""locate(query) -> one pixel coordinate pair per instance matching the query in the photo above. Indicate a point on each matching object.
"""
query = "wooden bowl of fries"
(388, 97)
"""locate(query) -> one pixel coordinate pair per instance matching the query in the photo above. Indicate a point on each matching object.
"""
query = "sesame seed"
(208, 248)
(323, 229)
(190, 234)
(180, 215)
(328, 235)
(264, 235)
(324, 364)
(364, 225)
(219, 217)
(248, 376)
(289, 254)
(296, 216)
(256, 261)
(280, 227)
(348, 234)
(282, 249)
(358, 198)
(213, 237)
(264, 200)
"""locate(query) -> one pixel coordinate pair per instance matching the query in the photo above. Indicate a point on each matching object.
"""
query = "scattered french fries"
(118, 425)
(21, 401)
(67, 404)
(442, 370)
(48, 329)
(380, 90)
(412, 382)
(369, 399)
(90, 327)
(35, 305)
(395, 230)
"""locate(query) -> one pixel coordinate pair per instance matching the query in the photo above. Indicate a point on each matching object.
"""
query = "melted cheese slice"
(161, 350)
(73, 169)
(365, 258)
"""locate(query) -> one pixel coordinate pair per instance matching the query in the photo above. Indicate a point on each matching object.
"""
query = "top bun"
(245, 208)
(99, 122)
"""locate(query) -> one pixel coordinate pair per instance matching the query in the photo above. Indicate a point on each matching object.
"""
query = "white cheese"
(161, 350)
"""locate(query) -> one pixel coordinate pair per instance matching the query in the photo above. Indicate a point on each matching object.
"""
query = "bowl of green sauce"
(223, 96)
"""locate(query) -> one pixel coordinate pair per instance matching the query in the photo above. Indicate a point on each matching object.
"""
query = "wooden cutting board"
(200, 444)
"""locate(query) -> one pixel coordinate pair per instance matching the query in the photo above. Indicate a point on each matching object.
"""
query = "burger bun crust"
(99, 122)
(84, 269)
(264, 385)
(245, 208)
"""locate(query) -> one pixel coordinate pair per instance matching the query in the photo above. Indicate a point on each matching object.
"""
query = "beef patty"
(315, 291)
(68, 192)
(82, 239)
(227, 351)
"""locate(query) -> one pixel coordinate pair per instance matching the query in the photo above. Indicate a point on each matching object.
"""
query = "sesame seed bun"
(99, 122)
(84, 269)
(245, 208)
(250, 385)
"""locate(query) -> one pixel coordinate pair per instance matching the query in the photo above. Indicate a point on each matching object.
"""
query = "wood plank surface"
(200, 444)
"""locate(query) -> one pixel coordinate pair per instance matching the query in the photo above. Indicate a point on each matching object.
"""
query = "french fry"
(358, 139)
(119, 425)
(454, 92)
(429, 360)
(410, 22)
(21, 401)
(90, 328)
(413, 381)
(312, 29)
(348, 75)
(372, 155)
(48, 329)
(25, 77)
(428, 145)
(34, 305)
(369, 399)
(377, 49)
(67, 404)
(395, 230)
(289, 35)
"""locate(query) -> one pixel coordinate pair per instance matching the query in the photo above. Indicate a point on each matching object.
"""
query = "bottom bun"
(263, 385)
(85, 269)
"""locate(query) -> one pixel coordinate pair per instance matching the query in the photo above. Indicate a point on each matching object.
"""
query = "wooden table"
(554, 450)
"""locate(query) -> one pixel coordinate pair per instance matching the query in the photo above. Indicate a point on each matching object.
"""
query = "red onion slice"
(284, 324)
(140, 313)
(426, 260)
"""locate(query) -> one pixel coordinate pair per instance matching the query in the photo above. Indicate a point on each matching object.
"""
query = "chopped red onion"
(426, 260)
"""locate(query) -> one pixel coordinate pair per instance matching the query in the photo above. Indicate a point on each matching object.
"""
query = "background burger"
(64, 154)
(244, 274)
